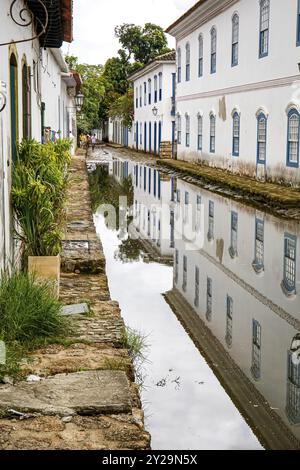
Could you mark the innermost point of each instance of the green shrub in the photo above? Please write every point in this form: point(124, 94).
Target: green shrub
point(38, 194)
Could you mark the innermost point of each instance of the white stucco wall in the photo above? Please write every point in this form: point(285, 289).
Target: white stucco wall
point(46, 86)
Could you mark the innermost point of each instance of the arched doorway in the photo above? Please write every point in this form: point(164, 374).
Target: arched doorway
point(13, 67)
point(26, 101)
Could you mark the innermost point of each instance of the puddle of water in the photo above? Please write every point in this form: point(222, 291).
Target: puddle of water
point(236, 270)
point(185, 405)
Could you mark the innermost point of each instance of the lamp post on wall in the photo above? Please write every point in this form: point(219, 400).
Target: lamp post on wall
point(154, 111)
point(79, 102)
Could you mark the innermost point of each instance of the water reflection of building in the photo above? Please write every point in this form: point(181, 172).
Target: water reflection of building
point(153, 212)
point(240, 274)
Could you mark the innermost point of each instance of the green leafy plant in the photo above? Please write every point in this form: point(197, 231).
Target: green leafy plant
point(38, 195)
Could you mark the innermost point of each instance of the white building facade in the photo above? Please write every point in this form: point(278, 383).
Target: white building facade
point(154, 105)
point(37, 92)
point(238, 103)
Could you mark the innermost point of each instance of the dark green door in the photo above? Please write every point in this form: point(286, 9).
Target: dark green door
point(14, 106)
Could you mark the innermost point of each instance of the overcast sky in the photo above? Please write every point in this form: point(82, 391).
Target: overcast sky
point(95, 20)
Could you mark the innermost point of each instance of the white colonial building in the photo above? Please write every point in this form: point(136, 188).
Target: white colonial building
point(238, 99)
point(154, 105)
point(36, 89)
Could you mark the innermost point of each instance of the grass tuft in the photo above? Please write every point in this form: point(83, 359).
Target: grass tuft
point(29, 317)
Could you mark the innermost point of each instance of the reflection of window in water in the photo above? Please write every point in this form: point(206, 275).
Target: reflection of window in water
point(154, 182)
point(149, 176)
point(293, 382)
point(229, 318)
point(154, 227)
point(145, 178)
point(233, 235)
point(196, 301)
point(258, 263)
point(186, 207)
point(256, 350)
point(172, 228)
point(176, 266)
point(159, 233)
point(184, 283)
point(209, 299)
point(149, 224)
point(289, 274)
point(211, 209)
point(198, 213)
point(177, 203)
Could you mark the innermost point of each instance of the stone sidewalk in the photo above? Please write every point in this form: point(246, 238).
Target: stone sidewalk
point(86, 398)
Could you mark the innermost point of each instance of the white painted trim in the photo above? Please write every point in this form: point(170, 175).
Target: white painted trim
point(262, 110)
point(292, 105)
point(206, 12)
point(278, 82)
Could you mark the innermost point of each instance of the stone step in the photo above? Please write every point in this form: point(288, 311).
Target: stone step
point(82, 256)
point(82, 393)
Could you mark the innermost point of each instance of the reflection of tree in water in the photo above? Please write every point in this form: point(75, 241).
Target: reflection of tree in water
point(105, 189)
point(129, 251)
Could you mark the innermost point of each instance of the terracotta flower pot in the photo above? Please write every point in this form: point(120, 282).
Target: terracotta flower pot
point(46, 268)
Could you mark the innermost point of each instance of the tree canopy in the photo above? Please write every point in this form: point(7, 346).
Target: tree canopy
point(106, 89)
point(142, 44)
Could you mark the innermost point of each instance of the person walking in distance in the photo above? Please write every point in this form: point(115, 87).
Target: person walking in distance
point(93, 142)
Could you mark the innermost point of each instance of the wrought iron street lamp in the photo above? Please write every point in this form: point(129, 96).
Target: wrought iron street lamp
point(79, 102)
point(154, 111)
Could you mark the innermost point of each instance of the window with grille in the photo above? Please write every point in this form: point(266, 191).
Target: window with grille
point(209, 299)
point(160, 85)
point(187, 62)
point(261, 139)
point(149, 91)
point(198, 213)
point(155, 89)
point(259, 245)
point(289, 278)
point(212, 146)
point(179, 65)
point(197, 286)
point(236, 135)
point(200, 132)
point(200, 58)
point(229, 321)
point(213, 54)
point(234, 235)
point(235, 41)
point(293, 138)
point(256, 350)
point(184, 282)
point(293, 389)
point(179, 129)
point(187, 130)
point(211, 210)
point(176, 266)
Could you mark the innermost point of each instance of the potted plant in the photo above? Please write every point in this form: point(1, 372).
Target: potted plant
point(38, 195)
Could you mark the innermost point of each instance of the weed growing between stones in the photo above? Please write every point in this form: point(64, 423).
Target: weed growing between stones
point(136, 344)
